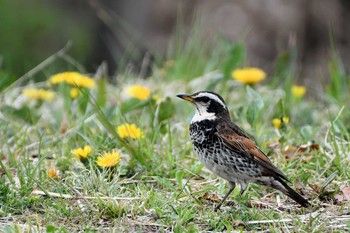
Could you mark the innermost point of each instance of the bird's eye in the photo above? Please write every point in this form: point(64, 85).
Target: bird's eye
point(203, 99)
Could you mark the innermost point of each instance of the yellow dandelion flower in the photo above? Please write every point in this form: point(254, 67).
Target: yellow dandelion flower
point(74, 92)
point(38, 94)
point(82, 153)
point(298, 91)
point(72, 78)
point(82, 81)
point(129, 130)
point(139, 92)
point(53, 173)
point(277, 122)
point(248, 75)
point(58, 78)
point(108, 159)
point(64, 77)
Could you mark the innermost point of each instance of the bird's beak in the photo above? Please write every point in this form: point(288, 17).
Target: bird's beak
point(186, 97)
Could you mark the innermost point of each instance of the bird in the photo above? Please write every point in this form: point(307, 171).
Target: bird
point(227, 150)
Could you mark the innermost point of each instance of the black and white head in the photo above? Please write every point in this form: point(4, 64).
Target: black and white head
point(209, 105)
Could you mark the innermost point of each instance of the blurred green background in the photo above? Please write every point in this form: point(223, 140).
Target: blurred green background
point(31, 31)
point(124, 33)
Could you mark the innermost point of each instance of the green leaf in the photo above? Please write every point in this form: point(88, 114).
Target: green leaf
point(251, 114)
point(328, 181)
point(101, 96)
point(235, 56)
point(337, 86)
point(307, 132)
point(133, 104)
point(83, 100)
point(7, 172)
point(23, 113)
point(255, 106)
point(64, 90)
point(164, 182)
point(50, 228)
point(281, 110)
point(255, 98)
point(159, 211)
point(165, 110)
point(283, 64)
point(179, 177)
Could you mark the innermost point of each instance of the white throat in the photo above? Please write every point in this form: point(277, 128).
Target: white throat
point(202, 114)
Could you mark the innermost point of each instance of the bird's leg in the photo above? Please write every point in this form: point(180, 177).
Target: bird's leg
point(243, 188)
point(231, 186)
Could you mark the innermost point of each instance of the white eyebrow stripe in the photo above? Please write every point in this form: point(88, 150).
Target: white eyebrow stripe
point(212, 96)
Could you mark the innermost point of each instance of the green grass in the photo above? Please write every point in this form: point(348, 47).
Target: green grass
point(159, 183)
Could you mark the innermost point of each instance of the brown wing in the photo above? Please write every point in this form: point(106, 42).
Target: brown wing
point(241, 143)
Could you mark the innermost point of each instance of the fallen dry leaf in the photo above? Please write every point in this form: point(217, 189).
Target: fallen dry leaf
point(289, 151)
point(299, 186)
point(239, 223)
point(315, 187)
point(302, 151)
point(309, 147)
point(64, 127)
point(306, 158)
point(230, 203)
point(209, 197)
point(346, 193)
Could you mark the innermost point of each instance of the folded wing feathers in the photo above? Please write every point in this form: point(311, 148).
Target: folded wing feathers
point(245, 146)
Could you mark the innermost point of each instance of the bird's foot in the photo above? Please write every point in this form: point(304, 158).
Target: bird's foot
point(217, 207)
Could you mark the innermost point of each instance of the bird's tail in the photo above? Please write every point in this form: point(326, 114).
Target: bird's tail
point(291, 193)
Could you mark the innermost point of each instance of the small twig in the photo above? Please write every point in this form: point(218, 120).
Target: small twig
point(183, 188)
point(131, 178)
point(67, 196)
point(143, 181)
point(73, 62)
point(303, 218)
point(208, 182)
point(77, 193)
point(149, 224)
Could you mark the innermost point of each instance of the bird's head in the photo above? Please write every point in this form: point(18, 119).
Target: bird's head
point(209, 105)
